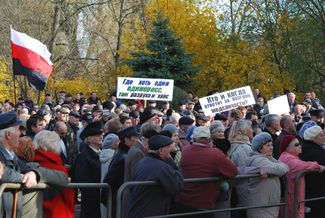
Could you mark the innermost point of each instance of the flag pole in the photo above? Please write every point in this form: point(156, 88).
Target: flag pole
point(14, 77)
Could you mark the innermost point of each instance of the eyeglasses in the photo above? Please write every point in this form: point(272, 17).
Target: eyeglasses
point(296, 144)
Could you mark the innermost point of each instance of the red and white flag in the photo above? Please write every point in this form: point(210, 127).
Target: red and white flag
point(30, 58)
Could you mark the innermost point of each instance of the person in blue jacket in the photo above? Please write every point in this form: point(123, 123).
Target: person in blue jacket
point(156, 166)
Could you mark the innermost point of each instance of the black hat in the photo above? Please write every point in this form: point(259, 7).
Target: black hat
point(222, 144)
point(185, 120)
point(88, 117)
point(159, 141)
point(148, 134)
point(146, 115)
point(134, 114)
point(9, 119)
point(75, 114)
point(91, 129)
point(182, 102)
point(317, 113)
point(220, 117)
point(96, 108)
point(127, 132)
point(43, 112)
point(108, 105)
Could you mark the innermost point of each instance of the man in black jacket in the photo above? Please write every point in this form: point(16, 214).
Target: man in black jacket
point(87, 169)
point(115, 173)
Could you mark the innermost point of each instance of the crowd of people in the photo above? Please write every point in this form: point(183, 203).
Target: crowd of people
point(86, 140)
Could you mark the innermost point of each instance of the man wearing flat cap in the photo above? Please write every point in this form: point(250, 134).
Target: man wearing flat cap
point(115, 173)
point(184, 124)
point(87, 169)
point(155, 200)
point(201, 160)
point(71, 136)
point(14, 170)
point(317, 115)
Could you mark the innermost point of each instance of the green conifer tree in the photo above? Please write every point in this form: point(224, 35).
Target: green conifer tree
point(166, 57)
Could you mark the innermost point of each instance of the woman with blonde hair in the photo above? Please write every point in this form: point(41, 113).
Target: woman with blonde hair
point(240, 135)
point(56, 203)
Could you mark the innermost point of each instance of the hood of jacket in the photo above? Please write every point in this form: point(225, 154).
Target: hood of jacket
point(106, 155)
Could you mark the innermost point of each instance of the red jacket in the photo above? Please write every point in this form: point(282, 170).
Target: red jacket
point(198, 161)
point(62, 203)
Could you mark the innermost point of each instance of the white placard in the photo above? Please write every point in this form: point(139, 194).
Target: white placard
point(145, 89)
point(228, 100)
point(279, 105)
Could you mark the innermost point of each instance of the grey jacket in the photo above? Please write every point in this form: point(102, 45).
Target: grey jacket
point(135, 154)
point(239, 153)
point(265, 191)
point(33, 200)
point(13, 168)
point(105, 158)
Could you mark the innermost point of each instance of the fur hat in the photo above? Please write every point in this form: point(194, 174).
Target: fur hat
point(311, 133)
point(91, 129)
point(260, 140)
point(216, 125)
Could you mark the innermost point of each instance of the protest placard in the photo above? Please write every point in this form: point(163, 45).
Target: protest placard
point(145, 89)
point(279, 105)
point(228, 100)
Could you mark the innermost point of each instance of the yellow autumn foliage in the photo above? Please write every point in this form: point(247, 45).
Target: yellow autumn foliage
point(224, 64)
point(6, 82)
point(75, 86)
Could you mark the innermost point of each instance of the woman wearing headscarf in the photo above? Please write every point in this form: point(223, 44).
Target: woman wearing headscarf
point(265, 191)
point(314, 139)
point(290, 148)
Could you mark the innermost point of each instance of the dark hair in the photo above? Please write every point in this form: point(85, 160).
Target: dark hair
point(250, 114)
point(235, 114)
point(33, 120)
point(124, 118)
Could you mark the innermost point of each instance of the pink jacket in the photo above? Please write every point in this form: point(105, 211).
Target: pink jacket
point(296, 165)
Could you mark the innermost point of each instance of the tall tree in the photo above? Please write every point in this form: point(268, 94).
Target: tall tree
point(165, 56)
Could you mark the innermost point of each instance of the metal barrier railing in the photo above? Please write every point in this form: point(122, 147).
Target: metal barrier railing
point(41, 186)
point(195, 180)
point(296, 201)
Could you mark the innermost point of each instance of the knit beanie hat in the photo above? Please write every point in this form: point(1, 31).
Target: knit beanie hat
point(311, 133)
point(216, 125)
point(305, 126)
point(110, 139)
point(260, 140)
point(285, 141)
